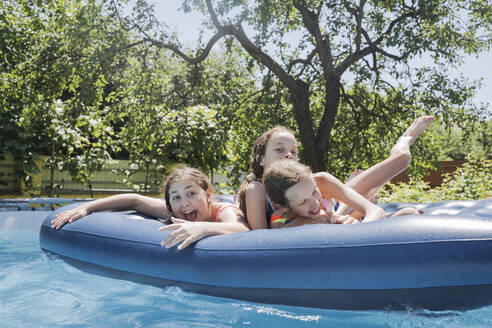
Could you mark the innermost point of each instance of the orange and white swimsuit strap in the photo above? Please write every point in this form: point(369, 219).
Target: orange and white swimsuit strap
point(222, 207)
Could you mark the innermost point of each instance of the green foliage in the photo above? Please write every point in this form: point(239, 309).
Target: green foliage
point(468, 182)
point(81, 81)
point(57, 55)
point(77, 86)
point(256, 113)
point(368, 126)
point(472, 142)
point(361, 64)
point(180, 113)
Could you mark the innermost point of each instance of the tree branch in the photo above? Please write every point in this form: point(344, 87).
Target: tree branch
point(358, 15)
point(332, 80)
point(237, 31)
point(131, 45)
point(393, 24)
point(116, 10)
point(323, 46)
point(373, 45)
point(395, 57)
point(306, 61)
point(374, 60)
point(299, 90)
point(192, 60)
point(213, 15)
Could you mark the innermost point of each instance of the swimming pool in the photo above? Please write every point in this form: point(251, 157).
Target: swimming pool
point(38, 289)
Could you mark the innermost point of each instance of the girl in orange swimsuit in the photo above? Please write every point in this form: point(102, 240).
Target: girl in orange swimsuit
point(188, 204)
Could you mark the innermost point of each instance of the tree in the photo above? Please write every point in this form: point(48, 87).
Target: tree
point(459, 144)
point(377, 42)
point(52, 90)
point(80, 81)
point(180, 114)
point(78, 85)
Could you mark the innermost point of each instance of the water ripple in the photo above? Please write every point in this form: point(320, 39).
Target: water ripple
point(39, 289)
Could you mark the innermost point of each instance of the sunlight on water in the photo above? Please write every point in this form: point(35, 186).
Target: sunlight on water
point(38, 289)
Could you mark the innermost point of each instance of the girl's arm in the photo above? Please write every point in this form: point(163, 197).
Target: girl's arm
point(186, 232)
point(256, 206)
point(331, 187)
point(288, 219)
point(146, 205)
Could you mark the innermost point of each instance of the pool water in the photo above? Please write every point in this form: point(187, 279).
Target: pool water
point(39, 289)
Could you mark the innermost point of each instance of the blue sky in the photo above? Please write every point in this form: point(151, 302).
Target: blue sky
point(187, 26)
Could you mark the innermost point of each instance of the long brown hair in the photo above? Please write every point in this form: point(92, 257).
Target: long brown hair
point(180, 173)
point(257, 153)
point(281, 176)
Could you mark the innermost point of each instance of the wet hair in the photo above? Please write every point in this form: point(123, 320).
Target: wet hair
point(257, 153)
point(281, 176)
point(180, 173)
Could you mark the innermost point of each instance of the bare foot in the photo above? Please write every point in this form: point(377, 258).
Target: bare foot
point(411, 134)
point(418, 126)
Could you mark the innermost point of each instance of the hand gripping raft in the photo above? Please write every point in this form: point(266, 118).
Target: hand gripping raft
point(439, 260)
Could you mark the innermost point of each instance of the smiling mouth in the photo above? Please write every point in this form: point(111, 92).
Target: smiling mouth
point(315, 213)
point(190, 215)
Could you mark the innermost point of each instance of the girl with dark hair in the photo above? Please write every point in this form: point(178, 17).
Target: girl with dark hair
point(279, 143)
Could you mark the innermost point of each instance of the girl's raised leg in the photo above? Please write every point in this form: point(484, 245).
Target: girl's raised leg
point(371, 180)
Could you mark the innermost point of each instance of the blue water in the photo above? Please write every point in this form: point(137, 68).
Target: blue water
point(41, 290)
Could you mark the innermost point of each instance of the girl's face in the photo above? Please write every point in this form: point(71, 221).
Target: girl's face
point(189, 201)
point(304, 198)
point(281, 145)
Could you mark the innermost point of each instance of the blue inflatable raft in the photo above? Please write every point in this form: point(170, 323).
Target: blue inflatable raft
point(439, 260)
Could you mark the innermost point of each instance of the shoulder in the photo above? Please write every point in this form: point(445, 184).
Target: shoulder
point(227, 211)
point(255, 191)
point(255, 194)
point(255, 186)
point(324, 177)
point(224, 205)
